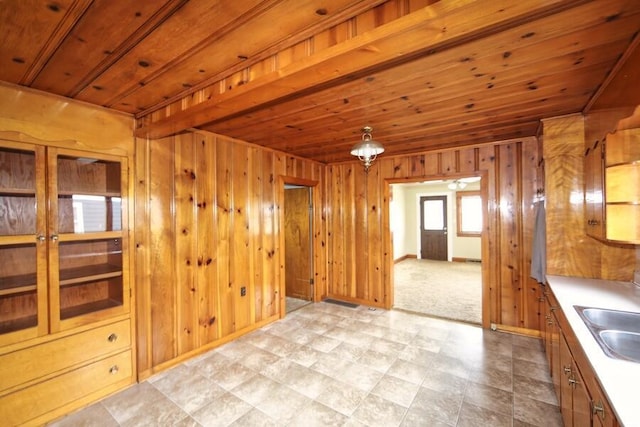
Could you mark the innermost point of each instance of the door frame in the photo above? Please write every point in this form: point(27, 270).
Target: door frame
point(315, 197)
point(388, 238)
point(450, 219)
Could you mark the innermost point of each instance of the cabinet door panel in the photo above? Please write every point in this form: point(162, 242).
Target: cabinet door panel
point(88, 242)
point(23, 304)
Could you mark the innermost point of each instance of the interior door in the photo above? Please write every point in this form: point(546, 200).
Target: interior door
point(433, 227)
point(298, 270)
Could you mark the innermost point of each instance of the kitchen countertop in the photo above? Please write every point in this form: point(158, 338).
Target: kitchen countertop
point(620, 379)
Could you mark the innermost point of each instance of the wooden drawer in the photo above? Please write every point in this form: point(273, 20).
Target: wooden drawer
point(26, 404)
point(43, 360)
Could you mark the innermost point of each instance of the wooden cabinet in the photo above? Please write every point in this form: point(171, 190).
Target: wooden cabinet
point(622, 190)
point(594, 190)
point(612, 187)
point(62, 239)
point(65, 331)
point(582, 401)
point(575, 401)
point(551, 339)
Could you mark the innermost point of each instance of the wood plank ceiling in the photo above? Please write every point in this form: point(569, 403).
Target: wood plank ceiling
point(304, 76)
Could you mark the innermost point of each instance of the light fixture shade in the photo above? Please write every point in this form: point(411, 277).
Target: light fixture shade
point(367, 150)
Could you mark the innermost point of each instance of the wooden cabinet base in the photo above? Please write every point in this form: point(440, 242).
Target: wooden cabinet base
point(50, 399)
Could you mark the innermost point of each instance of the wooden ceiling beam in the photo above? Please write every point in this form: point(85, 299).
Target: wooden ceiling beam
point(400, 41)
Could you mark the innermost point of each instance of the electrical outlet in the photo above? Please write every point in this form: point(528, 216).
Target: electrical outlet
point(243, 291)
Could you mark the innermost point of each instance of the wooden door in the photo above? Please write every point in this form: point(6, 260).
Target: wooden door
point(297, 206)
point(433, 227)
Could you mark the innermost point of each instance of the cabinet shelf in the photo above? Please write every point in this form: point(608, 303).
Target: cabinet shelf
point(71, 193)
point(17, 284)
point(79, 310)
point(18, 324)
point(22, 192)
point(72, 276)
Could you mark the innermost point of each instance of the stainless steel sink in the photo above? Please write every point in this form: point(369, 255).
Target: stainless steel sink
point(612, 319)
point(617, 332)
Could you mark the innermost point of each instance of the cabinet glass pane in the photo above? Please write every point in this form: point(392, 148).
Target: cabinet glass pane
point(89, 198)
point(17, 192)
point(18, 296)
point(90, 276)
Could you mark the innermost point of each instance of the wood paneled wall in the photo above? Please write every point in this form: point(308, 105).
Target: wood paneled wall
point(360, 249)
point(208, 224)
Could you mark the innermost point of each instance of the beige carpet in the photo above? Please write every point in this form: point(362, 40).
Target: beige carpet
point(451, 290)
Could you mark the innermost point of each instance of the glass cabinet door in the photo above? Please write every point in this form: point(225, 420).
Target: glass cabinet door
point(23, 291)
point(87, 242)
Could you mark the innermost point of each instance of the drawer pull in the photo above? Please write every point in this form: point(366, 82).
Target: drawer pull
point(113, 337)
point(114, 369)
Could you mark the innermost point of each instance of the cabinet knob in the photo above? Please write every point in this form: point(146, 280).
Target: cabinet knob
point(113, 337)
point(567, 370)
point(114, 369)
point(40, 238)
point(598, 408)
point(572, 382)
point(54, 237)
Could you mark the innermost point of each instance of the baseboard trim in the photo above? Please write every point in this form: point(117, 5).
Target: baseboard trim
point(402, 258)
point(457, 259)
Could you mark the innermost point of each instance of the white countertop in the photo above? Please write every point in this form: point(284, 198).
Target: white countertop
point(620, 379)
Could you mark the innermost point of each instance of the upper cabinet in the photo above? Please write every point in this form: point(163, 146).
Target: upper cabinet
point(612, 184)
point(622, 186)
point(63, 240)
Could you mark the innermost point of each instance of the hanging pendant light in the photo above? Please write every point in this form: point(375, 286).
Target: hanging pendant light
point(367, 150)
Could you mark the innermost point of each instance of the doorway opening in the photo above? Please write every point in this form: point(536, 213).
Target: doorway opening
point(436, 229)
point(298, 247)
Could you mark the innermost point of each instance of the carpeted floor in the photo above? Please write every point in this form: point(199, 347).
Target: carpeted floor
point(451, 290)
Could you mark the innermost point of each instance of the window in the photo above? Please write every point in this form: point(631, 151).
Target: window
point(469, 213)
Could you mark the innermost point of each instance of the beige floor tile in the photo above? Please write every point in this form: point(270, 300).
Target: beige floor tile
point(375, 411)
point(326, 365)
point(222, 411)
point(396, 390)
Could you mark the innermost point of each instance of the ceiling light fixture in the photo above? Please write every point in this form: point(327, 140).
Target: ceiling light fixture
point(457, 185)
point(367, 150)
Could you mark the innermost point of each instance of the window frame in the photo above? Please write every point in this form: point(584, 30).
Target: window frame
point(459, 196)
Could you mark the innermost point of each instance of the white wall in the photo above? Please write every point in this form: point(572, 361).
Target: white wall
point(397, 222)
point(459, 247)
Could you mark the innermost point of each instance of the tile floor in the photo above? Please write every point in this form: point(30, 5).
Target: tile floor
point(325, 364)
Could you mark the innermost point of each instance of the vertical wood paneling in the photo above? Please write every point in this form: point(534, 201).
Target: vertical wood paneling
point(490, 245)
point(239, 255)
point(509, 217)
point(207, 238)
point(162, 252)
point(467, 160)
point(362, 234)
point(224, 209)
point(432, 164)
point(254, 228)
point(369, 247)
point(269, 286)
point(208, 221)
point(186, 227)
point(375, 288)
point(532, 307)
point(448, 163)
point(143, 256)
